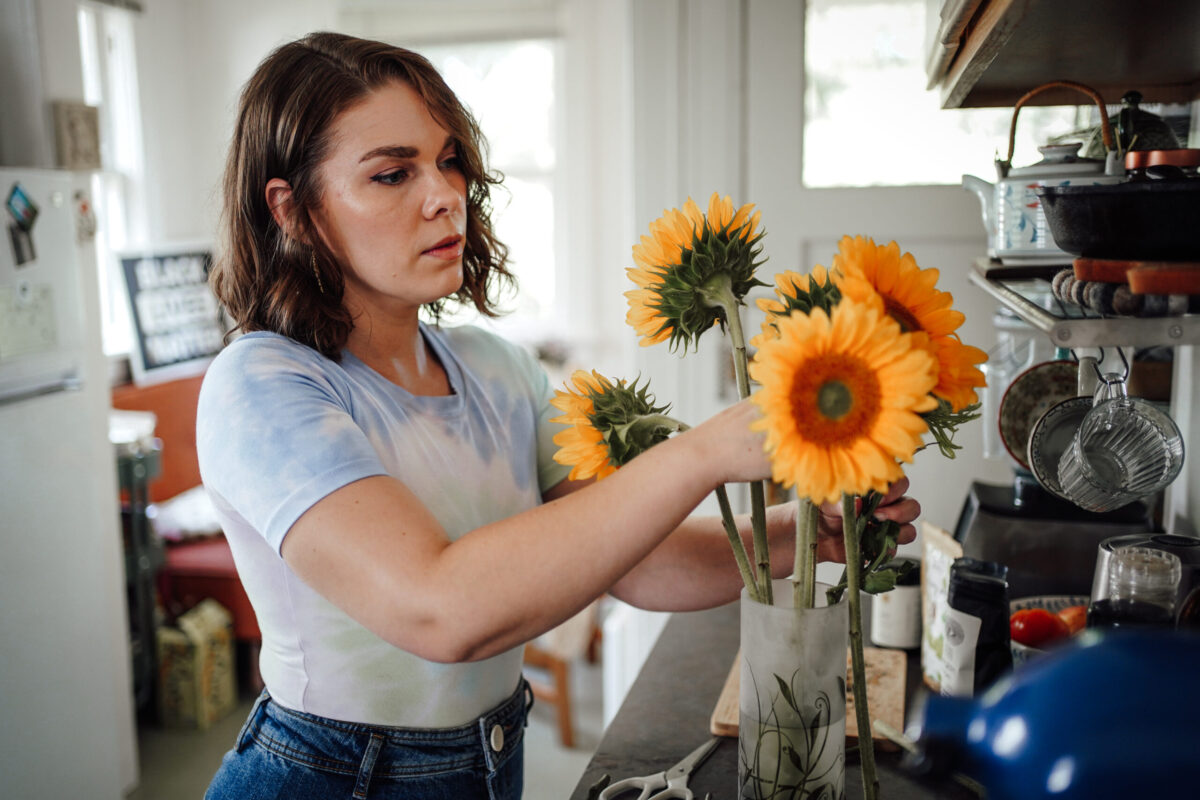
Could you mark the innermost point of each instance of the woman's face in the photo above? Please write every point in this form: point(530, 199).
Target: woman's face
point(393, 205)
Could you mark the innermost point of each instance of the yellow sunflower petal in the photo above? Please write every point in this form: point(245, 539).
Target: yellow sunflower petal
point(720, 211)
point(958, 376)
point(652, 326)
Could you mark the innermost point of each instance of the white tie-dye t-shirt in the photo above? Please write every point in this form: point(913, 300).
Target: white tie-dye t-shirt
point(280, 426)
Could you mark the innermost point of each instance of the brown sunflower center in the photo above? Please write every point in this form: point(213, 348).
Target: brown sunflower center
point(835, 399)
point(897, 311)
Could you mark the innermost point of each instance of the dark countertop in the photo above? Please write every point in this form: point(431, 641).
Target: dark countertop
point(666, 715)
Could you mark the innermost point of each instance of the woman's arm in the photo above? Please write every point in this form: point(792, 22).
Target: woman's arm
point(694, 567)
point(375, 551)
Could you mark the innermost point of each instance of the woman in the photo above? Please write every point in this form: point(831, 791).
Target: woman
point(387, 486)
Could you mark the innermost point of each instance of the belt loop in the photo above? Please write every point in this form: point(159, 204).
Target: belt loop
point(251, 724)
point(528, 699)
point(367, 766)
point(489, 756)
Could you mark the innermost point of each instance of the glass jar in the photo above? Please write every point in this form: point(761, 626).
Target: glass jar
point(1143, 583)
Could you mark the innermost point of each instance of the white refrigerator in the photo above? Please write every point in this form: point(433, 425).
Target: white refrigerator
point(65, 686)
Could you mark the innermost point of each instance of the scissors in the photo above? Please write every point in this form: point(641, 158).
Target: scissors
point(673, 781)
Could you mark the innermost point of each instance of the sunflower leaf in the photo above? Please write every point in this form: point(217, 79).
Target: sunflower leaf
point(878, 539)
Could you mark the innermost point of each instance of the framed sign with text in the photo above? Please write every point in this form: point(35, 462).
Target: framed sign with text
point(177, 322)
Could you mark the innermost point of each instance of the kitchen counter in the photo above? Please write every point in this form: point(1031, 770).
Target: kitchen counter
point(666, 715)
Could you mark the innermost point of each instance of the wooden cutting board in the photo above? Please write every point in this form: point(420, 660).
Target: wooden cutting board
point(887, 674)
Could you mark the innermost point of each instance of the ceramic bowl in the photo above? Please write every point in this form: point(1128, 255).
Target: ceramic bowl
point(1028, 398)
point(1052, 603)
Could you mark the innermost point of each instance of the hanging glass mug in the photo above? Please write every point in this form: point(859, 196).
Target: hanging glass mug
point(1126, 448)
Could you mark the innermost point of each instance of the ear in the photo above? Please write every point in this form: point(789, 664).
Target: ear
point(279, 201)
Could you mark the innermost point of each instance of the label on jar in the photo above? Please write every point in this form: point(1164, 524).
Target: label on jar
point(958, 653)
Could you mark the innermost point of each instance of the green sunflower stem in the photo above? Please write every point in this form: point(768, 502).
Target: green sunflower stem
point(721, 293)
point(858, 667)
point(739, 548)
point(804, 567)
point(814, 516)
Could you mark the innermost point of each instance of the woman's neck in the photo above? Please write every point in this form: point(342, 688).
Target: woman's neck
point(397, 350)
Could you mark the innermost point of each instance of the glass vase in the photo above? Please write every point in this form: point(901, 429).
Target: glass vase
point(792, 699)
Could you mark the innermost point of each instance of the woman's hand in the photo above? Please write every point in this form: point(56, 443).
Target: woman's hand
point(726, 443)
point(894, 506)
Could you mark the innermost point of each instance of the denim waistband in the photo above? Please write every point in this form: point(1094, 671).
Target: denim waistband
point(374, 751)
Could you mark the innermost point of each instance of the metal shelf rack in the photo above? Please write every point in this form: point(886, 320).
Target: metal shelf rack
point(1072, 326)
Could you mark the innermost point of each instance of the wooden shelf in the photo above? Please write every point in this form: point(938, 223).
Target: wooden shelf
point(991, 52)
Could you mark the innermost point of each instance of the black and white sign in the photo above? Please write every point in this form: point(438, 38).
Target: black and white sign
point(177, 323)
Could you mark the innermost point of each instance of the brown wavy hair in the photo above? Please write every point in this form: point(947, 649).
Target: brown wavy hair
point(263, 277)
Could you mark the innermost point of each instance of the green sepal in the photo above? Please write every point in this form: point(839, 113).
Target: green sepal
point(686, 308)
point(818, 295)
point(630, 422)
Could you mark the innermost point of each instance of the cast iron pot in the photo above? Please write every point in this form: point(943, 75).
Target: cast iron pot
point(1154, 220)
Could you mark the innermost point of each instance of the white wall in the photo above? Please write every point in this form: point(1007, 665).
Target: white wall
point(193, 59)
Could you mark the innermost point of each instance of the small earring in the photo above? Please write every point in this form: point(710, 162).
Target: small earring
point(316, 272)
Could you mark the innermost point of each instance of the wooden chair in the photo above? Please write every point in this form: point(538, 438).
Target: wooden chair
point(552, 655)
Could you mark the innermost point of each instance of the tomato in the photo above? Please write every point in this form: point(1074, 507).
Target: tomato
point(1075, 617)
point(1036, 627)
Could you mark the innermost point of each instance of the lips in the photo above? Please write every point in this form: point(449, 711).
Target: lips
point(450, 247)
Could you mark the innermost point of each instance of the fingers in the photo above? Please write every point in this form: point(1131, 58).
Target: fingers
point(831, 548)
point(902, 511)
point(895, 491)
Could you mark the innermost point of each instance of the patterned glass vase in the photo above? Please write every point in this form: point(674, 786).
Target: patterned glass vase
point(792, 698)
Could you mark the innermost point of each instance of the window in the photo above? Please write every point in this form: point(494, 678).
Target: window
point(869, 119)
point(106, 46)
point(510, 88)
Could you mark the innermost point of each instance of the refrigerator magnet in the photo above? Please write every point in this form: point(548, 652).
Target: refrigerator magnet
point(21, 207)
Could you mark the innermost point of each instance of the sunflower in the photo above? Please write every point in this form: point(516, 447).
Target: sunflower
point(608, 424)
point(879, 274)
point(691, 268)
point(797, 292)
point(841, 398)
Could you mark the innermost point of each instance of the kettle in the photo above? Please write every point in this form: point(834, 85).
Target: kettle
point(1012, 212)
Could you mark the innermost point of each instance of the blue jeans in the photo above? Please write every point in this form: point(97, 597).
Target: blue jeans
point(282, 753)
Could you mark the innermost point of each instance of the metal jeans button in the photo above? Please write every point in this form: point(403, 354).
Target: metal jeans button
point(497, 738)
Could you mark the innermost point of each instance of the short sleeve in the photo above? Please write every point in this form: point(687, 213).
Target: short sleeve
point(274, 434)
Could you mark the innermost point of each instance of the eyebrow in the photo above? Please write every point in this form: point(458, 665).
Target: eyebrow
point(398, 151)
point(391, 151)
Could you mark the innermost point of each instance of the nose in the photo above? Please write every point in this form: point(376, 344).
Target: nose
point(444, 195)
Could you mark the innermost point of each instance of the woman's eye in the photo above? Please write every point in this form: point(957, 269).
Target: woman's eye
point(451, 162)
point(391, 178)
